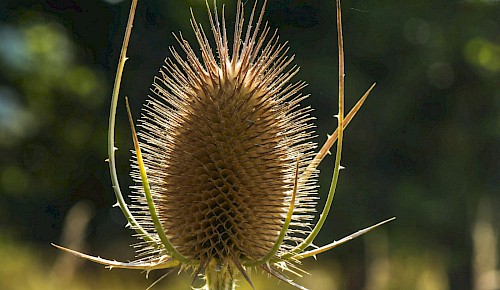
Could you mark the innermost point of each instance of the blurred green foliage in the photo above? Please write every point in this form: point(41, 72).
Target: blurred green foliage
point(424, 148)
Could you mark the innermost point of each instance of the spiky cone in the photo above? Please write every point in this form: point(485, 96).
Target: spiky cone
point(224, 158)
point(220, 139)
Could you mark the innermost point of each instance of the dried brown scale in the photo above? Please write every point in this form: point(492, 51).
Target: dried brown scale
point(220, 142)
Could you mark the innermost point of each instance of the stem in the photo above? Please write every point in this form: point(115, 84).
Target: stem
point(219, 278)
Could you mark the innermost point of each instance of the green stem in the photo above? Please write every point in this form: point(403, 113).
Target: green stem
point(219, 278)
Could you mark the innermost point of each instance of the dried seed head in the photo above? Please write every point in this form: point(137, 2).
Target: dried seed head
point(220, 139)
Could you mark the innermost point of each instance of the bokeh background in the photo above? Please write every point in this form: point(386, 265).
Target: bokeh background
point(424, 148)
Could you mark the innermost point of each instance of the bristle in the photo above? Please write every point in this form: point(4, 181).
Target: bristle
point(220, 138)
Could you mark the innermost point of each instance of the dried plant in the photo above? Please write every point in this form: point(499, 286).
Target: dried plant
point(225, 158)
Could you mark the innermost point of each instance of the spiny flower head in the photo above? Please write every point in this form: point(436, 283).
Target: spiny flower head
point(221, 141)
point(224, 157)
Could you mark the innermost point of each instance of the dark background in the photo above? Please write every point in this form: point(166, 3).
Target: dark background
point(424, 148)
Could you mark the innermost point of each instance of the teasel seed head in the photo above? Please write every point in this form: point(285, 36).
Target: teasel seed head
point(221, 135)
point(225, 161)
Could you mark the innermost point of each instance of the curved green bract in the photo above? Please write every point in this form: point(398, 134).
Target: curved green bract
point(149, 198)
point(111, 135)
point(317, 228)
point(312, 235)
point(284, 229)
